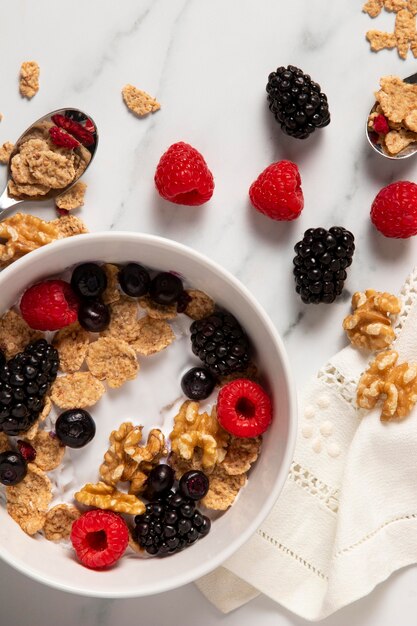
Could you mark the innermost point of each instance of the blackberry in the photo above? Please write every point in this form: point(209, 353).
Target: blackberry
point(170, 524)
point(298, 103)
point(24, 383)
point(221, 343)
point(320, 263)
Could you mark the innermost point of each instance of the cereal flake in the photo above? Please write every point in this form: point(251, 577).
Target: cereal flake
point(72, 345)
point(200, 305)
point(158, 311)
point(373, 7)
point(4, 442)
point(152, 336)
point(73, 198)
point(123, 319)
point(69, 225)
point(223, 489)
point(397, 140)
point(29, 79)
point(33, 430)
point(59, 521)
point(27, 502)
point(5, 151)
point(111, 293)
point(49, 450)
point(139, 102)
point(112, 360)
point(15, 334)
point(51, 168)
point(79, 390)
point(241, 454)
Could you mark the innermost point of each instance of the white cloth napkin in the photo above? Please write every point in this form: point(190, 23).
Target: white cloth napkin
point(347, 516)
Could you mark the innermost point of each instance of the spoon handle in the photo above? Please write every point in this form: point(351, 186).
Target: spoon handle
point(6, 202)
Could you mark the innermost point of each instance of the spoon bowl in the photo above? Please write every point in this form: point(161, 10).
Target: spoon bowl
point(85, 152)
point(407, 152)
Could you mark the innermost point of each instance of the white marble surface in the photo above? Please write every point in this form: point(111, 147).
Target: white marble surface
point(207, 62)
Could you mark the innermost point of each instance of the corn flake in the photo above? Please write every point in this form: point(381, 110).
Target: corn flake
point(123, 320)
point(79, 390)
point(112, 360)
point(73, 198)
point(152, 336)
point(15, 334)
point(49, 450)
point(72, 345)
point(5, 151)
point(158, 311)
point(200, 305)
point(27, 502)
point(59, 521)
point(139, 102)
point(223, 489)
point(111, 293)
point(241, 454)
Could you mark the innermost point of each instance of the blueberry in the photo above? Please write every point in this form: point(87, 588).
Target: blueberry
point(134, 280)
point(89, 280)
point(160, 480)
point(75, 428)
point(194, 485)
point(13, 468)
point(165, 288)
point(198, 383)
point(94, 316)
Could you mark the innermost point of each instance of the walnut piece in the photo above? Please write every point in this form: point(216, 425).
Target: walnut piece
point(107, 497)
point(23, 233)
point(397, 383)
point(118, 465)
point(198, 430)
point(370, 325)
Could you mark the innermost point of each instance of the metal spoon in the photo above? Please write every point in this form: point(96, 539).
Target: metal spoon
point(39, 128)
point(410, 150)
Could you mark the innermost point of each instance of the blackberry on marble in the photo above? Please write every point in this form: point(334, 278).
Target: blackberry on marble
point(320, 264)
point(297, 102)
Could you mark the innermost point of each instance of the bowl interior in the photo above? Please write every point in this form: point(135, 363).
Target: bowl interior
point(48, 562)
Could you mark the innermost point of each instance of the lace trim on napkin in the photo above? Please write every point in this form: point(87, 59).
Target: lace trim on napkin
point(329, 496)
point(408, 295)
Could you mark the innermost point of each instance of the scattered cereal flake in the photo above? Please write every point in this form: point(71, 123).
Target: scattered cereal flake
point(49, 450)
point(29, 79)
point(15, 334)
point(112, 360)
point(17, 191)
point(139, 102)
point(200, 305)
point(223, 489)
point(396, 140)
point(72, 345)
point(51, 169)
point(380, 40)
point(4, 442)
point(158, 311)
point(123, 319)
point(5, 151)
point(73, 198)
point(109, 498)
point(394, 5)
point(59, 521)
point(405, 31)
point(27, 502)
point(373, 7)
point(152, 336)
point(79, 390)
point(241, 454)
point(111, 293)
point(412, 6)
point(69, 225)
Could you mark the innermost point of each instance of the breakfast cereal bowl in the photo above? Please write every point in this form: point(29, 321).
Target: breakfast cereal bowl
point(141, 401)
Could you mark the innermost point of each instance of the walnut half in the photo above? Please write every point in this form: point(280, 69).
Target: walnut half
point(396, 383)
point(370, 325)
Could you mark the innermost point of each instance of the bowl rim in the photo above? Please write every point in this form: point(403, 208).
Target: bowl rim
point(207, 567)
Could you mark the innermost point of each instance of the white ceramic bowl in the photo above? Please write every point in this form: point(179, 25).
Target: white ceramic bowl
point(49, 563)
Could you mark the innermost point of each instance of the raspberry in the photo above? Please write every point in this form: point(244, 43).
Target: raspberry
point(89, 125)
point(50, 305)
point(244, 408)
point(74, 128)
point(277, 191)
point(99, 538)
point(182, 176)
point(62, 139)
point(27, 451)
point(381, 125)
point(394, 210)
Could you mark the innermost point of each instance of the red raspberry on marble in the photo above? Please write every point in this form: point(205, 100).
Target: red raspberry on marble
point(394, 210)
point(99, 538)
point(183, 177)
point(50, 305)
point(244, 408)
point(277, 191)
point(381, 125)
point(62, 139)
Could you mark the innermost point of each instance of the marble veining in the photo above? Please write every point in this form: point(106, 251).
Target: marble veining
point(207, 63)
